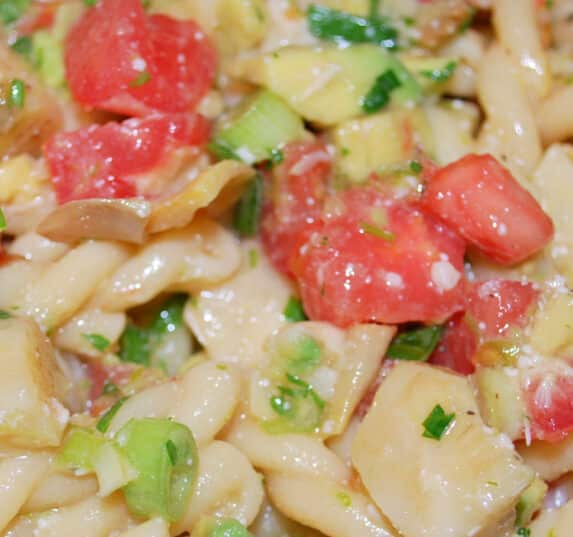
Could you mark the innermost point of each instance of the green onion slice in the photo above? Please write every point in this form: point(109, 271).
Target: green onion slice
point(248, 210)
point(416, 344)
point(165, 457)
point(79, 450)
point(16, 93)
point(105, 421)
point(294, 311)
point(379, 95)
point(437, 422)
point(3, 223)
point(97, 341)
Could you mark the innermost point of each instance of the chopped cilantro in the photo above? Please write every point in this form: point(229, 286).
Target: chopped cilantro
point(109, 388)
point(416, 344)
point(3, 223)
point(23, 45)
point(105, 421)
point(171, 449)
point(277, 157)
point(379, 95)
point(141, 79)
point(437, 422)
point(377, 232)
point(442, 74)
point(5, 315)
point(134, 345)
point(12, 10)
point(465, 25)
point(97, 341)
point(248, 210)
point(523, 532)
point(294, 311)
point(16, 93)
point(333, 25)
point(344, 498)
point(415, 167)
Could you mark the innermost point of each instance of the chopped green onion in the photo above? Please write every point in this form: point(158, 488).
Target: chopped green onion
point(170, 315)
point(253, 257)
point(344, 498)
point(16, 94)
point(134, 345)
point(415, 167)
point(164, 454)
point(549, 4)
point(90, 3)
point(294, 311)
point(141, 79)
point(12, 10)
point(465, 25)
point(262, 125)
point(437, 422)
point(109, 388)
point(97, 341)
point(524, 532)
point(3, 224)
point(48, 58)
point(248, 210)
point(377, 232)
point(105, 421)
point(374, 8)
point(416, 344)
point(277, 157)
point(379, 95)
point(229, 527)
point(333, 25)
point(5, 315)
point(441, 75)
point(304, 356)
point(79, 450)
point(23, 45)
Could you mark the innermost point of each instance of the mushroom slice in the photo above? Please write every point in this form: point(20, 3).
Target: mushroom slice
point(104, 219)
point(221, 183)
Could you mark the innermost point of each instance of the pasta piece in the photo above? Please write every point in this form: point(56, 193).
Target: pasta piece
point(511, 129)
point(233, 320)
point(341, 445)
point(333, 509)
point(554, 117)
point(518, 33)
point(202, 254)
point(552, 327)
point(441, 477)
point(549, 460)
point(78, 273)
point(286, 453)
point(242, 23)
point(15, 278)
point(30, 413)
point(58, 489)
point(94, 517)
point(156, 527)
point(225, 179)
point(18, 477)
point(38, 249)
point(24, 216)
point(227, 486)
point(74, 336)
point(21, 179)
point(557, 523)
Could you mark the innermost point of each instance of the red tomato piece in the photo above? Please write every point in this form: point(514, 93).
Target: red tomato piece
point(457, 347)
point(102, 161)
point(549, 403)
point(480, 198)
point(295, 202)
point(497, 305)
point(120, 59)
point(376, 258)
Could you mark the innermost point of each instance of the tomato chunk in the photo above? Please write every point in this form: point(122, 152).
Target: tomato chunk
point(376, 258)
point(295, 199)
point(480, 198)
point(457, 347)
point(120, 59)
point(497, 305)
point(102, 161)
point(549, 403)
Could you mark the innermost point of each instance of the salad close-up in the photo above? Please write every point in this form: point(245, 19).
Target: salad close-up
point(286, 268)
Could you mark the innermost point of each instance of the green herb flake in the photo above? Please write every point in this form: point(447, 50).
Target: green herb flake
point(549, 4)
point(277, 157)
point(333, 25)
point(344, 498)
point(109, 388)
point(134, 345)
point(370, 229)
point(171, 449)
point(23, 45)
point(416, 344)
point(466, 24)
point(415, 167)
point(253, 258)
point(344, 151)
point(441, 74)
point(90, 3)
point(294, 311)
point(141, 79)
point(3, 224)
point(97, 341)
point(16, 94)
point(492, 483)
point(12, 10)
point(222, 367)
point(4, 315)
point(437, 422)
point(304, 356)
point(523, 532)
point(248, 209)
point(105, 421)
point(379, 95)
point(170, 315)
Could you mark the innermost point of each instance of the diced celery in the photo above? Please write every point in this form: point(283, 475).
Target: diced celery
point(80, 450)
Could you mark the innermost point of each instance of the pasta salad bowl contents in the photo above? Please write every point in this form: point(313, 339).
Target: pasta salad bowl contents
point(286, 268)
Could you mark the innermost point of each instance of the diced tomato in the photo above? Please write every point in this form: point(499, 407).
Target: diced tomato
point(120, 59)
point(480, 198)
point(376, 258)
point(295, 199)
point(99, 374)
point(102, 161)
point(497, 305)
point(39, 16)
point(549, 403)
point(457, 346)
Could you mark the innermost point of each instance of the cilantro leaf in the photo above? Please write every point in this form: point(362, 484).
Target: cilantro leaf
point(437, 422)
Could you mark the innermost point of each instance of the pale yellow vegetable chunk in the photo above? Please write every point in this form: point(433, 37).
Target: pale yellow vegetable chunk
point(462, 484)
point(556, 523)
point(553, 326)
point(30, 413)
